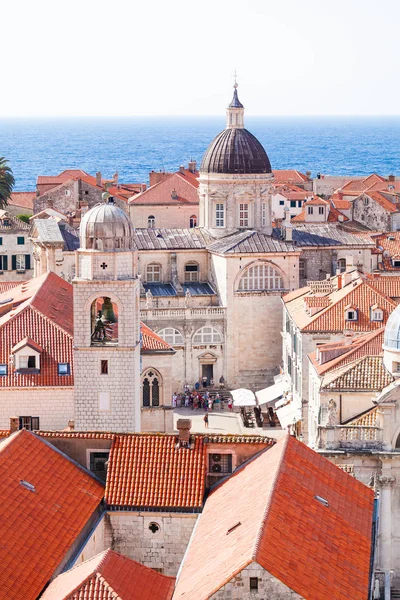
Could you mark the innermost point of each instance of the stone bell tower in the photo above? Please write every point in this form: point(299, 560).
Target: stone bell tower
point(106, 323)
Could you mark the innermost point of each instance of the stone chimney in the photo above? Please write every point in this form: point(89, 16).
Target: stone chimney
point(116, 179)
point(98, 178)
point(184, 426)
point(182, 169)
point(391, 178)
point(308, 174)
point(14, 424)
point(193, 166)
point(157, 176)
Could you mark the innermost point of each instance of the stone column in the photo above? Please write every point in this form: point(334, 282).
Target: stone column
point(386, 481)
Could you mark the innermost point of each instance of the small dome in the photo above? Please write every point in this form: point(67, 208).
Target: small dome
point(105, 227)
point(235, 151)
point(391, 338)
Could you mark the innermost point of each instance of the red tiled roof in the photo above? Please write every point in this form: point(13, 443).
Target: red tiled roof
point(355, 187)
point(62, 177)
point(292, 192)
point(153, 342)
point(22, 199)
point(38, 528)
point(289, 176)
point(339, 203)
point(389, 245)
point(109, 576)
point(267, 512)
point(149, 470)
point(8, 285)
point(367, 373)
point(384, 202)
point(161, 192)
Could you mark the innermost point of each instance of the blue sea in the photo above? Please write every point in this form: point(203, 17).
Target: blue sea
point(134, 146)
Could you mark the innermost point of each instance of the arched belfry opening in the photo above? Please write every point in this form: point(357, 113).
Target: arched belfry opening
point(104, 322)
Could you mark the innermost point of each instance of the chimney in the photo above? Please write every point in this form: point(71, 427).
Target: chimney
point(308, 174)
point(182, 169)
point(339, 282)
point(391, 178)
point(71, 425)
point(14, 424)
point(98, 178)
point(183, 426)
point(116, 179)
point(142, 187)
point(340, 195)
point(193, 166)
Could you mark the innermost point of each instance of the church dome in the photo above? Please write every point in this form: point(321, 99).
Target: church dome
point(105, 227)
point(235, 150)
point(391, 338)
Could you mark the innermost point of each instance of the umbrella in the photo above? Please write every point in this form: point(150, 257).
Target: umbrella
point(243, 397)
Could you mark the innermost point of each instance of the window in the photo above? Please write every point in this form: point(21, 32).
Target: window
point(289, 365)
point(261, 277)
point(67, 192)
point(243, 215)
point(302, 268)
point(6, 223)
point(104, 367)
point(172, 336)
point(263, 214)
point(1, 241)
point(396, 263)
point(64, 369)
point(3, 370)
point(20, 262)
point(321, 210)
point(29, 423)
point(293, 204)
point(98, 463)
point(351, 315)
point(342, 265)
point(3, 263)
point(191, 272)
point(299, 203)
point(27, 362)
point(396, 369)
point(219, 463)
point(281, 203)
point(151, 389)
point(220, 215)
point(20, 241)
point(366, 201)
point(193, 221)
point(151, 222)
point(254, 584)
point(104, 401)
point(376, 314)
point(207, 335)
point(310, 210)
point(153, 273)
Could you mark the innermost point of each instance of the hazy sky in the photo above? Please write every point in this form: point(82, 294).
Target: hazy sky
point(177, 57)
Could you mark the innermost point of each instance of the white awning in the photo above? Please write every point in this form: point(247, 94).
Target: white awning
point(271, 393)
point(288, 414)
point(243, 397)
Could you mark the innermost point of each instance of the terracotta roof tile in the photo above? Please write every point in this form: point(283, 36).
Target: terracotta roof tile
point(267, 512)
point(152, 342)
point(22, 199)
point(368, 418)
point(161, 192)
point(8, 285)
point(149, 470)
point(289, 176)
point(38, 527)
point(383, 201)
point(366, 373)
point(109, 576)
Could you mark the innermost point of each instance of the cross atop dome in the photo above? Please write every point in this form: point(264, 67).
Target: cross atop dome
point(235, 100)
point(235, 111)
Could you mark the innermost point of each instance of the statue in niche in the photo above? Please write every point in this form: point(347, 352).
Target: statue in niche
point(332, 413)
point(188, 298)
point(149, 299)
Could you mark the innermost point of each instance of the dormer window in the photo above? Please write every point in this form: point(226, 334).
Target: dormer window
point(351, 313)
point(27, 356)
point(310, 210)
point(376, 313)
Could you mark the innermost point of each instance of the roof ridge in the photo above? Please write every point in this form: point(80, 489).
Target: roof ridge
point(369, 283)
point(369, 336)
point(285, 442)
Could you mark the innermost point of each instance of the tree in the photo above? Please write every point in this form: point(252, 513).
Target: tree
point(7, 182)
point(24, 218)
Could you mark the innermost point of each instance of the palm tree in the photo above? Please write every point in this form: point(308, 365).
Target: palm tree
point(7, 182)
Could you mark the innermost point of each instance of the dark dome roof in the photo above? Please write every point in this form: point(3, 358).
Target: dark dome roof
point(235, 151)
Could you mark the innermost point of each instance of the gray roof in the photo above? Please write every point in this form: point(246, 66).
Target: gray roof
point(48, 230)
point(244, 242)
point(325, 235)
point(171, 239)
point(160, 289)
point(70, 236)
point(198, 289)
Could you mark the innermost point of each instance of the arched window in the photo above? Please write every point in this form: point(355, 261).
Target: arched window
point(191, 272)
point(104, 322)
point(151, 222)
point(193, 221)
point(153, 273)
point(342, 265)
point(151, 384)
point(261, 276)
point(171, 336)
point(207, 335)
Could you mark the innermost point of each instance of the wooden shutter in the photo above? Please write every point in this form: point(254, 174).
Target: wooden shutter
point(14, 262)
point(27, 261)
point(5, 263)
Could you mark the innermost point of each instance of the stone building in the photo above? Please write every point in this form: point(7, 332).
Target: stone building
point(378, 210)
point(15, 248)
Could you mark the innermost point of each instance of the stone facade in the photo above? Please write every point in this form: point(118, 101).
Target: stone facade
point(165, 216)
point(162, 549)
point(54, 406)
point(15, 249)
point(269, 587)
point(374, 216)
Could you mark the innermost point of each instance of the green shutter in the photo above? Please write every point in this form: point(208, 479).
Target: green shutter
point(27, 261)
point(14, 262)
point(5, 263)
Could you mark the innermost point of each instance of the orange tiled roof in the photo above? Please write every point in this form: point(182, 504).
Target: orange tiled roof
point(384, 202)
point(22, 199)
point(38, 528)
point(152, 342)
point(161, 192)
point(267, 512)
point(149, 470)
point(289, 176)
point(368, 418)
point(292, 192)
point(110, 576)
point(366, 373)
point(340, 203)
point(389, 286)
point(389, 245)
point(355, 187)
point(8, 285)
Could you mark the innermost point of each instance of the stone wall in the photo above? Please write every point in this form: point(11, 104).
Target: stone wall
point(163, 550)
point(166, 216)
point(54, 406)
point(269, 587)
point(372, 215)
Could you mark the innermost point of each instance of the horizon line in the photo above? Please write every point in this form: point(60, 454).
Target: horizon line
point(205, 116)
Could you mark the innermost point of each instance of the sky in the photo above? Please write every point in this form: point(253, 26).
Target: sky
point(159, 57)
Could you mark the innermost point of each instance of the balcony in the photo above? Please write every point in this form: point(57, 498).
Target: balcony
point(351, 437)
point(162, 314)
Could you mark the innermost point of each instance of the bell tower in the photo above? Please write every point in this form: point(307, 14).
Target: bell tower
point(106, 323)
